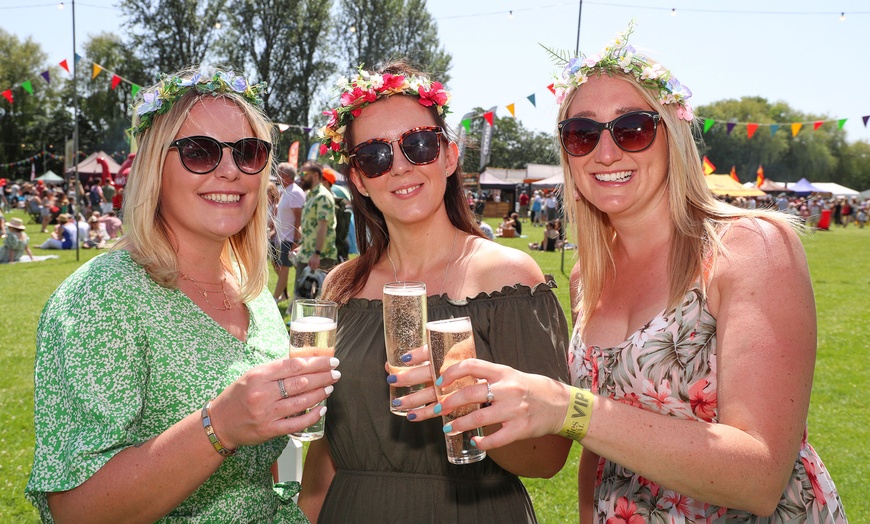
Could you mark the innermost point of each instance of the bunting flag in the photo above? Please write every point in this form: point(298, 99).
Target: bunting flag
point(817, 124)
point(750, 130)
point(27, 86)
point(115, 81)
point(466, 122)
point(796, 128)
point(840, 123)
point(552, 88)
point(729, 127)
point(708, 123)
point(135, 89)
point(865, 118)
point(488, 116)
point(46, 76)
point(531, 98)
point(97, 69)
point(708, 166)
point(64, 65)
point(734, 174)
point(773, 129)
point(8, 95)
point(283, 127)
point(759, 176)
point(510, 107)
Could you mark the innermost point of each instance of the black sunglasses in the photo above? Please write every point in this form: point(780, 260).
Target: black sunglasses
point(420, 145)
point(632, 132)
point(202, 154)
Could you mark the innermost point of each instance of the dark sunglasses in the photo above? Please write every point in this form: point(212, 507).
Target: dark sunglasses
point(202, 154)
point(632, 132)
point(420, 145)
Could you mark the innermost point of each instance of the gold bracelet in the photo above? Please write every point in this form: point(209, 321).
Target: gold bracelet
point(215, 441)
point(578, 415)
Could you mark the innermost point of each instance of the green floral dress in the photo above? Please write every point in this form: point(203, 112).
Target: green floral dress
point(119, 360)
point(669, 366)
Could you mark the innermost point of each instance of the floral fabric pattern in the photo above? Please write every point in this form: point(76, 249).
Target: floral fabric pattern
point(134, 359)
point(668, 366)
point(319, 205)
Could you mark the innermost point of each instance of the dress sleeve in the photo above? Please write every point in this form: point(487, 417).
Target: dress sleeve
point(527, 330)
point(90, 376)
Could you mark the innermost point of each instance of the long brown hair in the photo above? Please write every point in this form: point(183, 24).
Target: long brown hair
point(372, 235)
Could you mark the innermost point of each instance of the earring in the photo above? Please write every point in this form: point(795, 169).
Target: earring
point(364, 194)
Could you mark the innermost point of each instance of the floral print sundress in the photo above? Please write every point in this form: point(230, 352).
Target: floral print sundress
point(668, 366)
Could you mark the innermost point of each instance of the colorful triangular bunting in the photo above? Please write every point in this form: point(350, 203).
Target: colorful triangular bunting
point(817, 124)
point(773, 129)
point(531, 98)
point(46, 76)
point(751, 129)
point(510, 107)
point(115, 81)
point(729, 127)
point(64, 65)
point(8, 95)
point(488, 116)
point(796, 128)
point(27, 86)
point(97, 69)
point(708, 123)
point(552, 88)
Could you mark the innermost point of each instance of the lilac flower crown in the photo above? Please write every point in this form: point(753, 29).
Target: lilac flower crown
point(619, 56)
point(365, 88)
point(158, 100)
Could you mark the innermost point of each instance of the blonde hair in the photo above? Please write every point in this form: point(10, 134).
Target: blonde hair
point(696, 216)
point(148, 237)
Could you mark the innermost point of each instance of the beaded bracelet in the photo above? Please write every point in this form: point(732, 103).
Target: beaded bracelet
point(578, 415)
point(206, 425)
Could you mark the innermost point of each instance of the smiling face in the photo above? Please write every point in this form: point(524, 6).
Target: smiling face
point(407, 192)
point(615, 181)
point(218, 204)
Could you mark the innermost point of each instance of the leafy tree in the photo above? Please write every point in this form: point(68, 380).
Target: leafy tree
point(513, 146)
point(171, 34)
point(282, 42)
point(371, 32)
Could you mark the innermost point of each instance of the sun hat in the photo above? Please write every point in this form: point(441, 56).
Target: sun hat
point(16, 223)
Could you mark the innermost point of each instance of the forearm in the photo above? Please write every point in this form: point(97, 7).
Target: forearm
point(540, 457)
point(143, 483)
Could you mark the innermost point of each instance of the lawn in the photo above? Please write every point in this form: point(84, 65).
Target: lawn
point(840, 266)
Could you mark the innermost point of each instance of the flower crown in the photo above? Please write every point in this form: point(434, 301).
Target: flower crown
point(619, 56)
point(366, 88)
point(158, 100)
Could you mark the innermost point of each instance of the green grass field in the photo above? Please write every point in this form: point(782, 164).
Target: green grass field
point(840, 265)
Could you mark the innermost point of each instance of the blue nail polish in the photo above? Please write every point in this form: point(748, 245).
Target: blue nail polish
point(406, 357)
point(412, 416)
point(438, 408)
point(396, 402)
point(473, 443)
point(439, 381)
point(448, 428)
point(392, 379)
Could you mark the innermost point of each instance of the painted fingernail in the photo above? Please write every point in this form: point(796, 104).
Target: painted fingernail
point(396, 402)
point(329, 390)
point(448, 428)
point(473, 443)
point(336, 374)
point(406, 357)
point(334, 362)
point(323, 411)
point(412, 416)
point(391, 379)
point(438, 408)
point(439, 381)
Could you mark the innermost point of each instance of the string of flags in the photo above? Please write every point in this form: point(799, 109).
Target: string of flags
point(708, 123)
point(32, 158)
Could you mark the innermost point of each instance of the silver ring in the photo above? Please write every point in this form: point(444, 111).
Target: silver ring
point(489, 396)
point(281, 387)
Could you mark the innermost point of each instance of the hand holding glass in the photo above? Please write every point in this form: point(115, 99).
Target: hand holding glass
point(404, 330)
point(451, 341)
point(312, 334)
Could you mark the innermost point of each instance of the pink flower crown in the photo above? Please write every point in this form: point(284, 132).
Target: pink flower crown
point(366, 88)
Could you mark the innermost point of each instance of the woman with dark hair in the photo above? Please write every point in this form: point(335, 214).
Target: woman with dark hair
point(413, 224)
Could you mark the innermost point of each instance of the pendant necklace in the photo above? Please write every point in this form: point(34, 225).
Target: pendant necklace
point(446, 269)
point(226, 306)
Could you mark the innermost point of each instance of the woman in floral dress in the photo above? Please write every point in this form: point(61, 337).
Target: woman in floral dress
point(695, 337)
point(171, 402)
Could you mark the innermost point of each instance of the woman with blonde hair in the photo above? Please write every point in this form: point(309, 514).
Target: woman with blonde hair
point(695, 336)
point(174, 399)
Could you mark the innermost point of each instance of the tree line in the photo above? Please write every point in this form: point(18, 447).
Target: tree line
point(299, 47)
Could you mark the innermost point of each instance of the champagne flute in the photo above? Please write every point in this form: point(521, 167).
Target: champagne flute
point(404, 329)
point(312, 334)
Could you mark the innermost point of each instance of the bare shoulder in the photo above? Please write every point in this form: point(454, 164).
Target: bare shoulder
point(495, 266)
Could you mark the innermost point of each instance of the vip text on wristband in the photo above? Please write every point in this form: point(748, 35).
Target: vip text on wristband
point(579, 414)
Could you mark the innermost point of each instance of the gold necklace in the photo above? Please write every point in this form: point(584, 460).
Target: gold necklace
point(227, 305)
point(446, 269)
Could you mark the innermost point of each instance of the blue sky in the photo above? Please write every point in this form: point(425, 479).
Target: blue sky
point(796, 51)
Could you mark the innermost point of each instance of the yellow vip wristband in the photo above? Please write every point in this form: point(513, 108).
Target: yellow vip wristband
point(579, 414)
